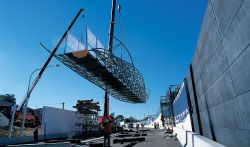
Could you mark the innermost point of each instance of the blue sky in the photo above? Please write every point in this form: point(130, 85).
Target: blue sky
point(161, 36)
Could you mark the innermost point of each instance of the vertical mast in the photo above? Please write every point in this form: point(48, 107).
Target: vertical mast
point(111, 34)
point(112, 25)
point(107, 126)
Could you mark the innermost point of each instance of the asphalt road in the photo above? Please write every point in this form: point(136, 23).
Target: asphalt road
point(156, 138)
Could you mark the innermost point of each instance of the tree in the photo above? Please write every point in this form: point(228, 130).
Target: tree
point(119, 118)
point(8, 97)
point(130, 119)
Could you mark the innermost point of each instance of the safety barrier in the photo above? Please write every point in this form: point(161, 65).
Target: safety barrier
point(29, 139)
point(62, 144)
point(191, 139)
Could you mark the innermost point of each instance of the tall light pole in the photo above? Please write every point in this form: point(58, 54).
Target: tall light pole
point(24, 108)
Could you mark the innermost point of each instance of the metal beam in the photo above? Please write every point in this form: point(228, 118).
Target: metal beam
point(112, 25)
point(47, 62)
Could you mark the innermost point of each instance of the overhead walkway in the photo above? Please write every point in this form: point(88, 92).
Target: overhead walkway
point(120, 78)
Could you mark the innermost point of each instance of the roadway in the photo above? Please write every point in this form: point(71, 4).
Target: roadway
point(146, 138)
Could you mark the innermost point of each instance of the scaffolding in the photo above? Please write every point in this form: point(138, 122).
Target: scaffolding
point(87, 116)
point(166, 105)
point(166, 110)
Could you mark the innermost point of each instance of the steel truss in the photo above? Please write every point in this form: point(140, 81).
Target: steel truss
point(120, 78)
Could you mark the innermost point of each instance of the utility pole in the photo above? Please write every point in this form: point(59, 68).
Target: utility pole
point(63, 105)
point(107, 125)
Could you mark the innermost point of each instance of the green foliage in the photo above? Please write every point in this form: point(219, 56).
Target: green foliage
point(8, 97)
point(130, 120)
point(119, 118)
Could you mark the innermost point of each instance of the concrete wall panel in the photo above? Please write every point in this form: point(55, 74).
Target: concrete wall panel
point(195, 122)
point(248, 137)
point(208, 30)
point(195, 60)
point(222, 90)
point(205, 124)
point(201, 103)
point(238, 137)
point(223, 14)
point(224, 115)
point(244, 103)
point(199, 88)
point(203, 33)
point(215, 67)
point(210, 40)
point(193, 106)
point(240, 71)
point(238, 35)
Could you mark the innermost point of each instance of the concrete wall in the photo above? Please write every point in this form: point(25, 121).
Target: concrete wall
point(221, 70)
point(190, 139)
point(55, 120)
point(4, 121)
point(30, 139)
point(193, 112)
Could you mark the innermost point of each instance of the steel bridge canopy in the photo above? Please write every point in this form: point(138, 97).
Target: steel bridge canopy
point(120, 78)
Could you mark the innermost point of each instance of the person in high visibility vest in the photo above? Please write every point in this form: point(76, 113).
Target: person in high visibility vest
point(107, 131)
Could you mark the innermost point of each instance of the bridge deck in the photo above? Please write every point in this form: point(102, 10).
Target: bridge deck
point(98, 70)
point(108, 72)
